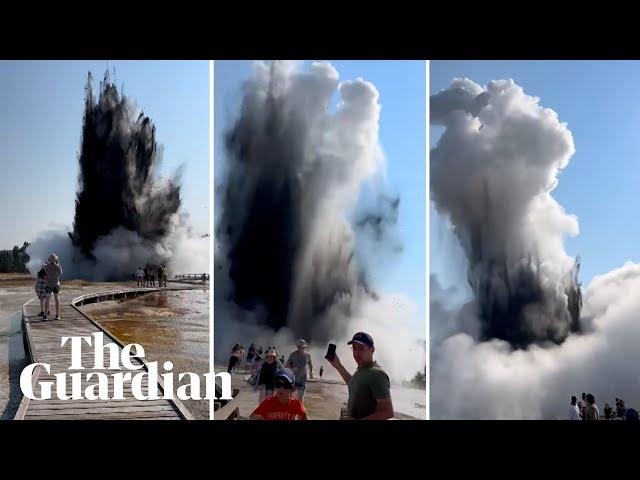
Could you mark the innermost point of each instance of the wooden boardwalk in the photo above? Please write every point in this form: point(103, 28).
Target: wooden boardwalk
point(43, 345)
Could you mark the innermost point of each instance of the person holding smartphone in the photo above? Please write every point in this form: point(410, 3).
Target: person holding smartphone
point(369, 386)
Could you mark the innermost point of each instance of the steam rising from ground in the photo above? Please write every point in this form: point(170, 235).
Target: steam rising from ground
point(491, 380)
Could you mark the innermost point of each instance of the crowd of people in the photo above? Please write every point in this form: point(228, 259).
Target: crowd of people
point(48, 282)
point(282, 384)
point(587, 409)
point(146, 277)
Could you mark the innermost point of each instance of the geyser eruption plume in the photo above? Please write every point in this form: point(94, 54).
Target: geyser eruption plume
point(292, 181)
point(492, 172)
point(118, 159)
point(125, 215)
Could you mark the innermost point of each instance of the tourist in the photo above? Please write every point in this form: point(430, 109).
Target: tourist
point(574, 412)
point(41, 289)
point(369, 386)
point(251, 353)
point(321, 372)
point(139, 277)
point(165, 274)
point(281, 406)
point(620, 410)
point(608, 412)
point(298, 361)
point(591, 411)
point(53, 270)
point(241, 355)
point(254, 371)
point(160, 276)
point(267, 375)
point(233, 358)
point(152, 277)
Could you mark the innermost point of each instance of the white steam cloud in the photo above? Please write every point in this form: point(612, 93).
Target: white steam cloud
point(294, 172)
point(119, 253)
point(493, 172)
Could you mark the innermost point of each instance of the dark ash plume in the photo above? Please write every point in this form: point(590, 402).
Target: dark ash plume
point(293, 173)
point(118, 162)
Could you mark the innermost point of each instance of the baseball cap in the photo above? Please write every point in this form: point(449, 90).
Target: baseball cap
point(301, 342)
point(287, 374)
point(362, 338)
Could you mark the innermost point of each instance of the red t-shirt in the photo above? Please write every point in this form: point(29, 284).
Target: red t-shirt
point(272, 409)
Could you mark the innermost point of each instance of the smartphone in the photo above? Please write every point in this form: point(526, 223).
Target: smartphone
point(331, 352)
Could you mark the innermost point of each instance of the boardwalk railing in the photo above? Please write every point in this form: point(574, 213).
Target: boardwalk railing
point(191, 276)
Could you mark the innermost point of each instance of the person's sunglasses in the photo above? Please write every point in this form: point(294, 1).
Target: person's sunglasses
point(284, 385)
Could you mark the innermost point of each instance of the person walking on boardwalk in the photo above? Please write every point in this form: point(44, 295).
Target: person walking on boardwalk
point(251, 353)
point(146, 276)
point(41, 292)
point(152, 277)
point(53, 270)
point(321, 372)
point(160, 276)
point(369, 386)
point(266, 378)
point(298, 362)
point(139, 277)
point(241, 355)
point(233, 359)
point(165, 274)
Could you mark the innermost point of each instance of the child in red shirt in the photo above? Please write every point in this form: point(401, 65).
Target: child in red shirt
point(280, 405)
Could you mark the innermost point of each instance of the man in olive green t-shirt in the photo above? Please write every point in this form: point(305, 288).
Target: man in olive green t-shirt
point(369, 386)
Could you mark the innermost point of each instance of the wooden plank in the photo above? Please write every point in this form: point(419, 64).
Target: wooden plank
point(57, 403)
point(44, 343)
point(99, 417)
point(151, 409)
point(106, 416)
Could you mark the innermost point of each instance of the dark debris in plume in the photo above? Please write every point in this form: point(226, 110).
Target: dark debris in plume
point(118, 159)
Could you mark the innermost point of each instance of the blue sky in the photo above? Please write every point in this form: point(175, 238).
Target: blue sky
point(41, 108)
point(600, 101)
point(401, 85)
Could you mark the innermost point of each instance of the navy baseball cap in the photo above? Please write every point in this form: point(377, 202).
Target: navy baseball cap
point(287, 374)
point(362, 338)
